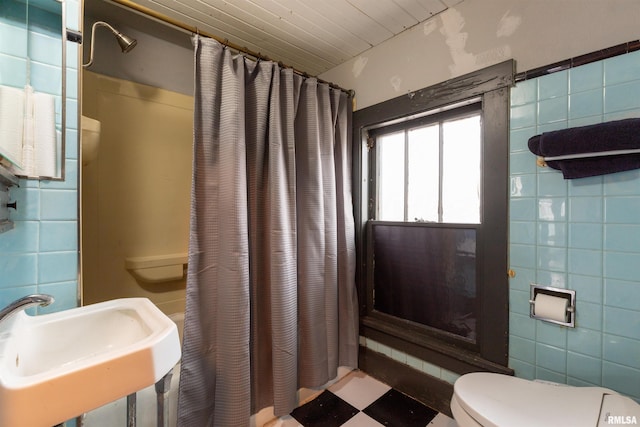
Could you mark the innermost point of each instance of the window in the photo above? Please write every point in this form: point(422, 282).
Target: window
point(433, 221)
point(429, 172)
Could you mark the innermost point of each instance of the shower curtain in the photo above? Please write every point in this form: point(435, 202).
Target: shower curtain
point(271, 302)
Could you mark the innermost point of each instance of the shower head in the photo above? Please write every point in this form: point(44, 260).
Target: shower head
point(126, 43)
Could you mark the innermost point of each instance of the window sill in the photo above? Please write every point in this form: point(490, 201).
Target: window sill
point(454, 357)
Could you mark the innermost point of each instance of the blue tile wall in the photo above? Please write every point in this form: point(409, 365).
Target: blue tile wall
point(41, 253)
point(581, 234)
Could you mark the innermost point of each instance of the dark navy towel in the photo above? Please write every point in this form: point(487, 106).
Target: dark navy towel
point(614, 135)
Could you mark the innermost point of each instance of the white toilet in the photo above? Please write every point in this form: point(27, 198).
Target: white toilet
point(492, 400)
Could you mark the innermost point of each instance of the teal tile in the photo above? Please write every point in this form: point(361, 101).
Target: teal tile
point(553, 110)
point(13, 40)
point(588, 288)
point(23, 238)
point(519, 140)
point(45, 49)
point(588, 315)
point(46, 78)
point(583, 367)
point(522, 369)
point(57, 267)
point(522, 255)
point(586, 77)
point(522, 349)
point(553, 85)
point(523, 185)
point(28, 202)
point(623, 351)
point(551, 334)
point(552, 358)
point(585, 262)
point(591, 186)
point(551, 185)
point(73, 14)
point(579, 383)
point(585, 341)
point(620, 115)
point(550, 127)
point(72, 88)
point(522, 326)
point(586, 104)
point(72, 113)
point(621, 265)
point(58, 236)
point(9, 295)
point(621, 237)
point(13, 71)
point(585, 209)
point(523, 116)
point(522, 162)
point(556, 279)
point(552, 234)
point(622, 294)
point(552, 209)
point(553, 259)
point(519, 302)
point(449, 376)
point(18, 270)
point(622, 68)
point(622, 184)
point(587, 121)
point(71, 147)
point(622, 97)
point(622, 210)
point(72, 59)
point(585, 235)
point(621, 379)
point(71, 178)
point(522, 232)
point(524, 92)
point(58, 205)
point(625, 323)
point(548, 375)
point(522, 209)
point(523, 278)
point(65, 295)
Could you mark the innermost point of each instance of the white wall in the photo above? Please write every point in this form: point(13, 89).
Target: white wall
point(478, 33)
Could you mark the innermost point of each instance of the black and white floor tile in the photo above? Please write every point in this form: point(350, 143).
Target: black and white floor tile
point(358, 400)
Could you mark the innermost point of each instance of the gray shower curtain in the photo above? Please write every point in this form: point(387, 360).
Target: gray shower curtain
point(271, 303)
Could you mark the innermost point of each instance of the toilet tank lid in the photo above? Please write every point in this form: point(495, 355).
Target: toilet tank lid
point(502, 400)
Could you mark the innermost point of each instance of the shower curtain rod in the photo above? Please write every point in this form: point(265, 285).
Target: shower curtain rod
point(194, 30)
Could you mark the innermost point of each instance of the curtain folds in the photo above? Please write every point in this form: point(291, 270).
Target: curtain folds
point(271, 303)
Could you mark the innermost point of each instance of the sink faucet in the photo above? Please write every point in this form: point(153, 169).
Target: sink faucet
point(23, 303)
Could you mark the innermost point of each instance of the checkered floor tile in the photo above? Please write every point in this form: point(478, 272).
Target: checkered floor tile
point(359, 400)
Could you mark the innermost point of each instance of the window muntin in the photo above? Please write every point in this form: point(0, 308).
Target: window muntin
point(430, 172)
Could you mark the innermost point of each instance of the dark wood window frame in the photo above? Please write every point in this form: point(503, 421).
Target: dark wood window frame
point(490, 87)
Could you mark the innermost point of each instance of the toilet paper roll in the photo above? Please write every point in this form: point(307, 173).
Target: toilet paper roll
point(550, 307)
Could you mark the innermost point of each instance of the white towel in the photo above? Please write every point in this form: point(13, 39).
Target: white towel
point(11, 124)
point(45, 141)
point(28, 142)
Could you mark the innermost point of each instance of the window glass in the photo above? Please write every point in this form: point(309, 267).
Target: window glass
point(424, 174)
point(391, 177)
point(461, 171)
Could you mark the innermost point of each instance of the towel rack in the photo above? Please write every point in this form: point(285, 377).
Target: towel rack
point(586, 155)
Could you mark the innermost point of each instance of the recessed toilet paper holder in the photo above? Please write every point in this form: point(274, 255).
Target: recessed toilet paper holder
point(563, 302)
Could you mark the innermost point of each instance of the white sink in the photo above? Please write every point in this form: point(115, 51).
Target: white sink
point(54, 367)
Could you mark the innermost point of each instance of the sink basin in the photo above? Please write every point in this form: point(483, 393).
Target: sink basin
point(56, 366)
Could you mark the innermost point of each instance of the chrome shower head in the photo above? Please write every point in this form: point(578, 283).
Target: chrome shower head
point(126, 43)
